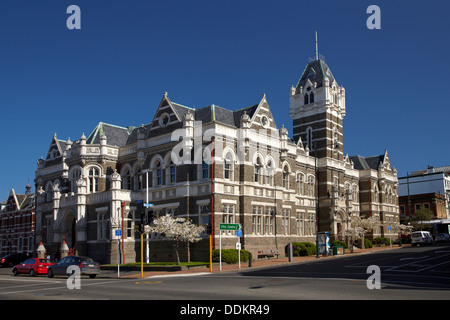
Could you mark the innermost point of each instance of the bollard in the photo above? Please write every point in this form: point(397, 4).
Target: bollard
point(249, 259)
point(291, 252)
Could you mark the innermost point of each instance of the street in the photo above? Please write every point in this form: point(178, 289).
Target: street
point(410, 273)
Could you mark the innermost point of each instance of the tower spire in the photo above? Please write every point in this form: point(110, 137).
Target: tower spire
point(317, 48)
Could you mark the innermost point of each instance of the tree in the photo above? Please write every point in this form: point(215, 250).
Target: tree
point(176, 229)
point(362, 226)
point(421, 215)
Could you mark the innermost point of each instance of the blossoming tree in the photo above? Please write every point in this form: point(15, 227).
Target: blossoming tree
point(176, 229)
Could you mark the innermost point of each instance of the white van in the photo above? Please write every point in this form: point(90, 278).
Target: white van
point(421, 237)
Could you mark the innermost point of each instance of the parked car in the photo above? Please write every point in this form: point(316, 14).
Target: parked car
point(421, 237)
point(87, 266)
point(442, 237)
point(32, 266)
point(10, 260)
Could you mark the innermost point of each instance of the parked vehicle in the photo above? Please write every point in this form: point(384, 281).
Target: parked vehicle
point(442, 237)
point(32, 267)
point(10, 260)
point(421, 237)
point(87, 266)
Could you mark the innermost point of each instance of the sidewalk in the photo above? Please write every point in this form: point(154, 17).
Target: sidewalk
point(259, 263)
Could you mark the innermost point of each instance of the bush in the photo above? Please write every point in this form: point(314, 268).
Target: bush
point(337, 243)
point(301, 249)
point(367, 243)
point(229, 255)
point(382, 240)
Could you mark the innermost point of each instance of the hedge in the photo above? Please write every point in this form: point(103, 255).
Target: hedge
point(301, 249)
point(382, 240)
point(229, 255)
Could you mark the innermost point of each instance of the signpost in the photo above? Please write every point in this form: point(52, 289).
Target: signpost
point(228, 227)
point(118, 235)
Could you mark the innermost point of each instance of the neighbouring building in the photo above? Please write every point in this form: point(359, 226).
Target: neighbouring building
point(17, 221)
point(425, 189)
point(213, 165)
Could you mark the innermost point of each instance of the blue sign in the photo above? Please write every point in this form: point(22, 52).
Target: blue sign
point(118, 233)
point(239, 233)
point(148, 205)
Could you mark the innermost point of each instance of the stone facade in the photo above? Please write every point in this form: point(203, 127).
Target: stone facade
point(212, 165)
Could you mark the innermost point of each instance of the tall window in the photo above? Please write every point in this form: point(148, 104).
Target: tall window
point(269, 220)
point(130, 225)
point(256, 220)
point(285, 221)
point(228, 167)
point(299, 223)
point(94, 174)
point(269, 173)
point(172, 172)
point(285, 177)
point(306, 99)
point(158, 173)
point(126, 179)
point(74, 176)
point(205, 170)
point(311, 97)
point(138, 179)
point(300, 184)
point(101, 226)
point(309, 137)
point(258, 168)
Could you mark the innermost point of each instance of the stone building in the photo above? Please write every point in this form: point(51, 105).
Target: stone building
point(17, 223)
point(213, 165)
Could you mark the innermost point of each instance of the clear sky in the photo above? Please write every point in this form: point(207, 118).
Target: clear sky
point(116, 68)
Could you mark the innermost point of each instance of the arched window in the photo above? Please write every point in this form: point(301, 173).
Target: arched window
point(228, 167)
point(138, 178)
point(94, 174)
point(285, 177)
point(74, 176)
point(270, 172)
point(258, 169)
point(311, 97)
point(300, 183)
point(306, 99)
point(311, 186)
point(172, 172)
point(126, 179)
point(49, 192)
point(158, 174)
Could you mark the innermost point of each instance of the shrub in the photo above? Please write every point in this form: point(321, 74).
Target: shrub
point(367, 243)
point(301, 249)
point(382, 240)
point(337, 243)
point(229, 255)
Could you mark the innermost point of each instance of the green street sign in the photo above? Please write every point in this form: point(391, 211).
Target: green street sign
point(230, 226)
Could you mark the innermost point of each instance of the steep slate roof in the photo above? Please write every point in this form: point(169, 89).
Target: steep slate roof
point(315, 71)
point(365, 163)
point(115, 135)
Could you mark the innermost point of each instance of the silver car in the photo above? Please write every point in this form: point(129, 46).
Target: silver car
point(87, 266)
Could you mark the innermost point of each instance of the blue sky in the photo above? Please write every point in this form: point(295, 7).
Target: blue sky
point(127, 53)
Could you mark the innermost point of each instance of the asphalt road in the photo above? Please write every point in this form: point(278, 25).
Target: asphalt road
point(418, 273)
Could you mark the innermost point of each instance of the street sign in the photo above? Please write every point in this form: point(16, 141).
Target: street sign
point(238, 246)
point(148, 205)
point(118, 233)
point(239, 233)
point(230, 226)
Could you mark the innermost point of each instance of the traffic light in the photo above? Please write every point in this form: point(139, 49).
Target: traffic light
point(141, 226)
point(150, 216)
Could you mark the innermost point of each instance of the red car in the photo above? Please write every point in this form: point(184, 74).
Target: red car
point(32, 266)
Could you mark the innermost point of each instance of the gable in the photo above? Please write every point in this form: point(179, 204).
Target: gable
point(168, 117)
point(262, 117)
